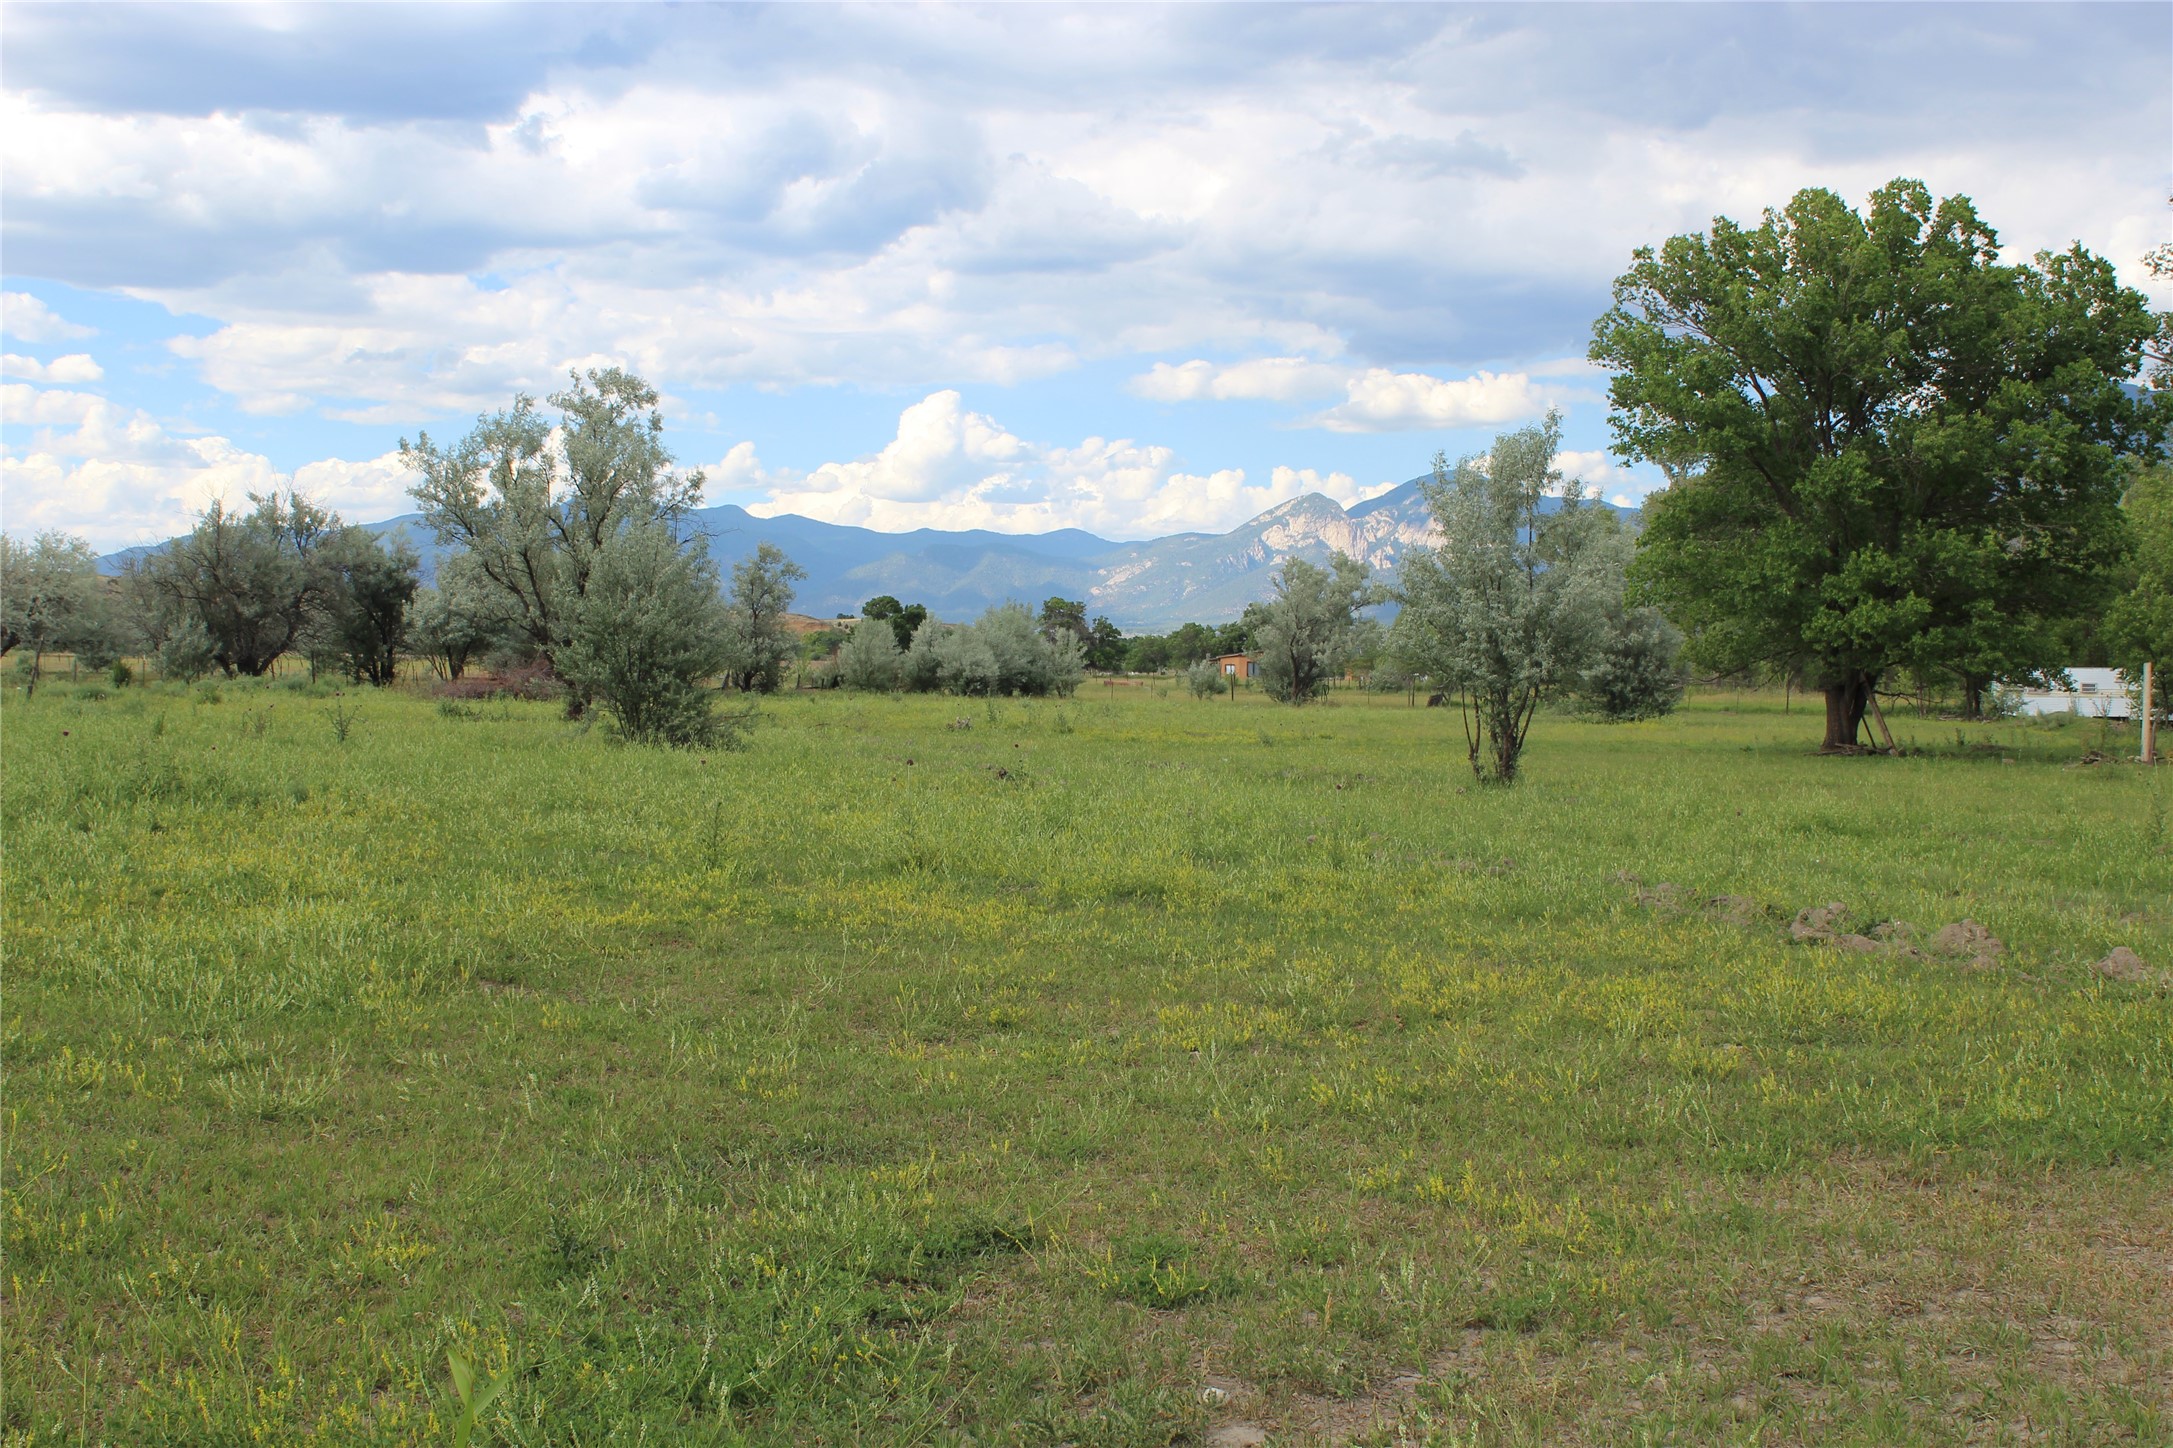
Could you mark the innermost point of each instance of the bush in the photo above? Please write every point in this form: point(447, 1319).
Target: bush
point(121, 674)
point(870, 657)
point(650, 631)
point(1205, 679)
point(1387, 677)
point(1004, 653)
point(1636, 670)
point(965, 662)
point(187, 653)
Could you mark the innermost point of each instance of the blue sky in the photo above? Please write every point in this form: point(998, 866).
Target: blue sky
point(1132, 269)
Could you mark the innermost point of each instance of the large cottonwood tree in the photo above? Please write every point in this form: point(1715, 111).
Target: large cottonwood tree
point(1886, 447)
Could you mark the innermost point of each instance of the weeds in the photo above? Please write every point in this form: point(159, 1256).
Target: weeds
point(474, 1401)
point(568, 1250)
point(814, 1096)
point(275, 1090)
point(342, 718)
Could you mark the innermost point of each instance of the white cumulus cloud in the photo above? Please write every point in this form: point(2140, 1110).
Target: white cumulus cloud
point(1291, 482)
point(1385, 401)
point(949, 467)
point(75, 367)
point(23, 315)
point(1375, 399)
point(85, 464)
point(1600, 471)
point(1276, 379)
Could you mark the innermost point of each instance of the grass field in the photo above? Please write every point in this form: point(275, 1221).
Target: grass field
point(1130, 1070)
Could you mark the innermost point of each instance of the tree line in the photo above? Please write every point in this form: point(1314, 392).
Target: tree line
point(1889, 455)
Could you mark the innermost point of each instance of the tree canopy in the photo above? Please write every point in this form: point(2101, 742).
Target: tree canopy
point(252, 581)
point(757, 640)
point(50, 599)
point(2139, 625)
point(534, 502)
point(1885, 446)
point(1513, 606)
point(1305, 630)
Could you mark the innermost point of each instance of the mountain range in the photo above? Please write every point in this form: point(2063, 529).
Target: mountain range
point(1141, 587)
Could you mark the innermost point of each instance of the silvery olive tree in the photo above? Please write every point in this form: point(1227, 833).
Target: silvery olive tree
point(757, 640)
point(1512, 605)
point(50, 600)
point(534, 502)
point(1305, 633)
point(651, 631)
point(870, 657)
point(254, 582)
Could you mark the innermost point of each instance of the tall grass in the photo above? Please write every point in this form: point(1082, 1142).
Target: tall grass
point(891, 1082)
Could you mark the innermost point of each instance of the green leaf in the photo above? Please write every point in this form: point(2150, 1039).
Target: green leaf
point(463, 1379)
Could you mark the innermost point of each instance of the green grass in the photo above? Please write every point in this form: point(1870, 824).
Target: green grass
point(1107, 1072)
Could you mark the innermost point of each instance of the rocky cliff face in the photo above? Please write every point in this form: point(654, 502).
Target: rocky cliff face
point(1211, 577)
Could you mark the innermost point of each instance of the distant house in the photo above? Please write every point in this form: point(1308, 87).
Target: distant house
point(2097, 694)
point(1240, 666)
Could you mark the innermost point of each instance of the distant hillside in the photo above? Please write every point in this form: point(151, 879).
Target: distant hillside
point(1148, 587)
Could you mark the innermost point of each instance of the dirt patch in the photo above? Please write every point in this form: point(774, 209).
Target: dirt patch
point(1238, 1435)
point(2124, 965)
point(1966, 939)
point(1816, 923)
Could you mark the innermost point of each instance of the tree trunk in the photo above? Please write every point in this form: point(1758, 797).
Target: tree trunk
point(1846, 700)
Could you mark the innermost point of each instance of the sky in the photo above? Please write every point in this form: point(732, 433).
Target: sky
point(1133, 269)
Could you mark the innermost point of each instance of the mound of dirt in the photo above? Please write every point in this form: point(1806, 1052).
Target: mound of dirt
point(1819, 922)
point(2125, 965)
point(1967, 937)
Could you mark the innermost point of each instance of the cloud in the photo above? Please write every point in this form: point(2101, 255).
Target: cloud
point(75, 367)
point(386, 215)
point(949, 467)
point(1278, 379)
point(1385, 401)
point(1375, 398)
point(360, 492)
point(82, 463)
point(1621, 485)
point(452, 64)
point(1464, 154)
point(23, 315)
point(1288, 482)
point(890, 199)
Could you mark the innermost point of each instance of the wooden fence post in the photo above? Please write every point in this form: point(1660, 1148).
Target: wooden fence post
point(2150, 717)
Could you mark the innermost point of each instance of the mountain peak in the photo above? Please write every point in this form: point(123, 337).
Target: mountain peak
point(1308, 504)
point(1145, 587)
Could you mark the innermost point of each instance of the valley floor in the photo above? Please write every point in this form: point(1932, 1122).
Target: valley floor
point(1127, 1070)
